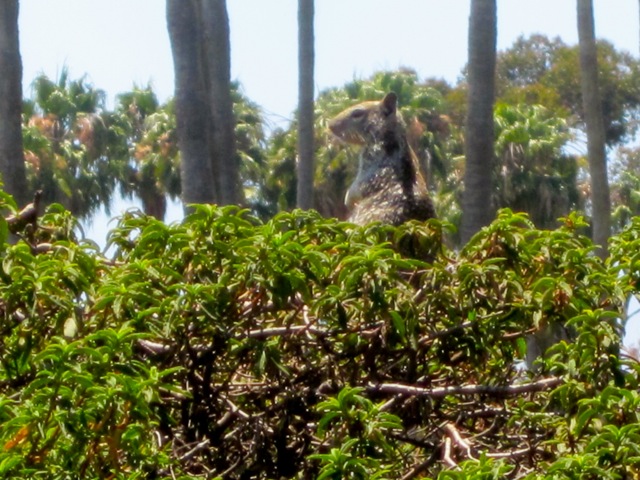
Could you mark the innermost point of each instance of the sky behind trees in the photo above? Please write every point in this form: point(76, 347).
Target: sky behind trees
point(121, 42)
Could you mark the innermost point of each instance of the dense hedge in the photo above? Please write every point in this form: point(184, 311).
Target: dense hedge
point(307, 348)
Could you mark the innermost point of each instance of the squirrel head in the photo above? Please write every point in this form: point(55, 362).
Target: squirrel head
point(366, 122)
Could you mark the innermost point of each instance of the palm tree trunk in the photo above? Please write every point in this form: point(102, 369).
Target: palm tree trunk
point(596, 149)
point(306, 56)
point(12, 167)
point(192, 112)
point(477, 207)
point(215, 29)
point(154, 203)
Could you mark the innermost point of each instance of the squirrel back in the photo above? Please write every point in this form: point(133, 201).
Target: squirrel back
point(389, 186)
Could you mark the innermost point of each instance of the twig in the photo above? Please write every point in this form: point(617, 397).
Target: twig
point(453, 433)
point(27, 216)
point(388, 404)
point(484, 412)
point(512, 335)
point(194, 450)
point(154, 347)
point(440, 392)
point(236, 410)
point(158, 438)
point(418, 469)
point(233, 467)
point(157, 348)
point(263, 333)
point(426, 340)
point(511, 454)
point(446, 454)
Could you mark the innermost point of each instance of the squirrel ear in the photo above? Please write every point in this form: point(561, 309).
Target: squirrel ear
point(389, 103)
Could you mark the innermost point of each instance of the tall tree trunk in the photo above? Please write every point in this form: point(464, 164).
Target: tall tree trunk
point(12, 166)
point(154, 203)
point(477, 205)
point(596, 149)
point(306, 57)
point(215, 28)
point(192, 110)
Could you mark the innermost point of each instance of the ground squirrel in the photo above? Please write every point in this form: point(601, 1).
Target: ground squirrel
point(389, 186)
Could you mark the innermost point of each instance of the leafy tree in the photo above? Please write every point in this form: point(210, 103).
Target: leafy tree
point(526, 73)
point(147, 136)
point(546, 71)
point(12, 167)
point(251, 149)
point(476, 210)
point(526, 62)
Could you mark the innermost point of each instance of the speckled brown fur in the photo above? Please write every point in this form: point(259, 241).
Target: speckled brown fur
point(388, 187)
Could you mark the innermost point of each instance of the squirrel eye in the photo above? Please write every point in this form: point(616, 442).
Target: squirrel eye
point(357, 113)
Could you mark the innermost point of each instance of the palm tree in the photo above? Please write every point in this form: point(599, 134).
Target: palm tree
point(67, 145)
point(151, 168)
point(305, 104)
point(251, 146)
point(193, 120)
point(199, 35)
point(147, 136)
point(592, 103)
point(625, 187)
point(534, 174)
point(477, 210)
point(214, 25)
point(12, 168)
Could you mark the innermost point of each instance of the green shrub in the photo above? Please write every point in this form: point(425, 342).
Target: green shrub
point(307, 348)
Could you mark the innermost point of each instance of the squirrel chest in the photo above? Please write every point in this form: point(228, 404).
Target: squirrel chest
point(388, 186)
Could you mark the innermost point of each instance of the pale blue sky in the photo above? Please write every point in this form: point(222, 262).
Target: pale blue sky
point(119, 42)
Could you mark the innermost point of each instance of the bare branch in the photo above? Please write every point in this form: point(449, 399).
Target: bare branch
point(421, 467)
point(446, 454)
point(27, 216)
point(237, 410)
point(263, 333)
point(428, 339)
point(440, 392)
point(453, 433)
point(512, 453)
point(154, 347)
point(199, 446)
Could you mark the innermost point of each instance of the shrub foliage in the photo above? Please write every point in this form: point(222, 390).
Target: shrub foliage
point(303, 347)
